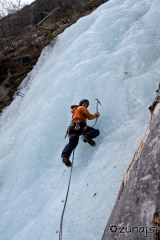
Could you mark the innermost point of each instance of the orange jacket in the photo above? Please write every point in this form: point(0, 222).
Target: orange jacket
point(81, 113)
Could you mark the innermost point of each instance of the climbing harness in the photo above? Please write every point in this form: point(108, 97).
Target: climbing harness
point(61, 224)
point(97, 110)
point(75, 125)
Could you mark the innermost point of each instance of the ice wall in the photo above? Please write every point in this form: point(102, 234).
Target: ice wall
point(113, 55)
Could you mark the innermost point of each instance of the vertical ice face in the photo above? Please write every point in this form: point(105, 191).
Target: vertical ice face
point(113, 55)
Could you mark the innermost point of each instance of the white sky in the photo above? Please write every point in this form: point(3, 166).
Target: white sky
point(4, 6)
point(27, 1)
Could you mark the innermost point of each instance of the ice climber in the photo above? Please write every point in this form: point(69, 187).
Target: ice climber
point(78, 127)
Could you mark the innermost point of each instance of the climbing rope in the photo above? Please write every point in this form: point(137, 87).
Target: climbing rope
point(61, 224)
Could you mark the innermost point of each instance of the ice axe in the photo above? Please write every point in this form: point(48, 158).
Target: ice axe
point(97, 104)
point(97, 109)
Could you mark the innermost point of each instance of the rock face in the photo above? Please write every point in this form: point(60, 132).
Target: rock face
point(136, 214)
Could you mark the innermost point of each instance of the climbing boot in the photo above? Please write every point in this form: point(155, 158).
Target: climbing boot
point(65, 160)
point(89, 140)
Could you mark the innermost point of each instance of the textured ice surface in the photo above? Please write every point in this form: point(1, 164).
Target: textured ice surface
point(113, 55)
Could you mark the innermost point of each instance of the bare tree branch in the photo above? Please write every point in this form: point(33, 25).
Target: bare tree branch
point(47, 17)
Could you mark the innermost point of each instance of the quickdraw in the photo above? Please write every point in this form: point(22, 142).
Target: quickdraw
point(67, 132)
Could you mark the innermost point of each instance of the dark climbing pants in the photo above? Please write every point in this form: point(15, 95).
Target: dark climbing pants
point(74, 137)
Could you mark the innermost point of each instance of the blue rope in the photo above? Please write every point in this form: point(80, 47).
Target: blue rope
point(61, 224)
